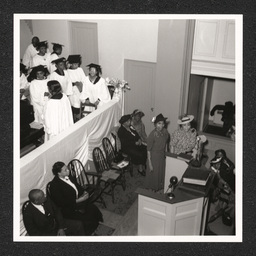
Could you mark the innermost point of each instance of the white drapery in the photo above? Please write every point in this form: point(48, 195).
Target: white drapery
point(77, 142)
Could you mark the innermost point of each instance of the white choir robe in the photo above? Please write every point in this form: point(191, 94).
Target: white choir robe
point(24, 84)
point(76, 75)
point(65, 82)
point(30, 52)
point(41, 60)
point(37, 89)
point(95, 91)
point(57, 116)
point(52, 57)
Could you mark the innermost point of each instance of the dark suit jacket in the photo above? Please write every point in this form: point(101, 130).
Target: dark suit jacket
point(64, 196)
point(128, 139)
point(39, 224)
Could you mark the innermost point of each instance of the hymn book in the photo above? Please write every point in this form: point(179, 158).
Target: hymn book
point(196, 176)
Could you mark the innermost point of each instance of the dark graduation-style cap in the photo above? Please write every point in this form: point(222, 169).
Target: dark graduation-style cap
point(57, 45)
point(41, 44)
point(59, 60)
point(74, 58)
point(34, 70)
point(39, 68)
point(96, 66)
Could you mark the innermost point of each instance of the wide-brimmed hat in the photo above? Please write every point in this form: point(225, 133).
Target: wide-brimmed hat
point(138, 112)
point(124, 118)
point(159, 118)
point(185, 119)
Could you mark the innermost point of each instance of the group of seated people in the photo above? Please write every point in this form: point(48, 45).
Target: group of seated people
point(64, 211)
point(55, 87)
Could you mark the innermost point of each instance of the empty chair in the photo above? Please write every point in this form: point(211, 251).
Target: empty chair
point(116, 160)
point(87, 180)
point(86, 108)
point(109, 177)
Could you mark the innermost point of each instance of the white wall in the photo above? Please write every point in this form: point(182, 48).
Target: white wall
point(125, 39)
point(117, 40)
point(169, 73)
point(25, 37)
point(223, 90)
point(54, 31)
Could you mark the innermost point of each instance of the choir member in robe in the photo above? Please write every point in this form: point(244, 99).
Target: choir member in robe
point(57, 114)
point(38, 90)
point(78, 78)
point(30, 52)
point(42, 57)
point(24, 85)
point(95, 89)
point(57, 50)
point(61, 75)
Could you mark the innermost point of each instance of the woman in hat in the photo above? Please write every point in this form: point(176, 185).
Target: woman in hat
point(183, 140)
point(95, 89)
point(42, 57)
point(139, 126)
point(131, 143)
point(61, 75)
point(156, 146)
point(78, 78)
point(57, 114)
point(38, 90)
point(57, 50)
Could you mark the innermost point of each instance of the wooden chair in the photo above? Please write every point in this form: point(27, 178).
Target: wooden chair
point(83, 111)
point(89, 181)
point(48, 190)
point(109, 177)
point(112, 157)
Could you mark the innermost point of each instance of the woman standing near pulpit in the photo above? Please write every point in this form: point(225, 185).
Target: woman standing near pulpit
point(156, 145)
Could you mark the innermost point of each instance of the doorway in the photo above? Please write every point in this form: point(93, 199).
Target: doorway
point(141, 77)
point(84, 41)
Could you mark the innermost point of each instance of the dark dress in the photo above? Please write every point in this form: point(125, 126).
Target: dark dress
point(128, 139)
point(156, 144)
point(64, 196)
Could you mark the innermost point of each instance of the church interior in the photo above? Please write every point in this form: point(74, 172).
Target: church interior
point(169, 66)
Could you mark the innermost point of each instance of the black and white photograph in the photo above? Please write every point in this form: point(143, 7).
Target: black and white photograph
point(128, 128)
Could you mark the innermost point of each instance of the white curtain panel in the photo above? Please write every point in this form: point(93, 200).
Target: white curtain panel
point(78, 141)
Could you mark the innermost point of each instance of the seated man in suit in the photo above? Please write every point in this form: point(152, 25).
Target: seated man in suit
point(41, 217)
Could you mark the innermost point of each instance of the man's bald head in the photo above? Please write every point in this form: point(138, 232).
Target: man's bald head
point(36, 196)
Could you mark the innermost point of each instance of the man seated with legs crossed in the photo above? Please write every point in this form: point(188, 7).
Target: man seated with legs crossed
point(42, 217)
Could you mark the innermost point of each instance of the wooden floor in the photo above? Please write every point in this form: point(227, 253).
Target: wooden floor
point(124, 225)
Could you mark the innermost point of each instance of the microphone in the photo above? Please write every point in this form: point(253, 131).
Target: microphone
point(173, 182)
